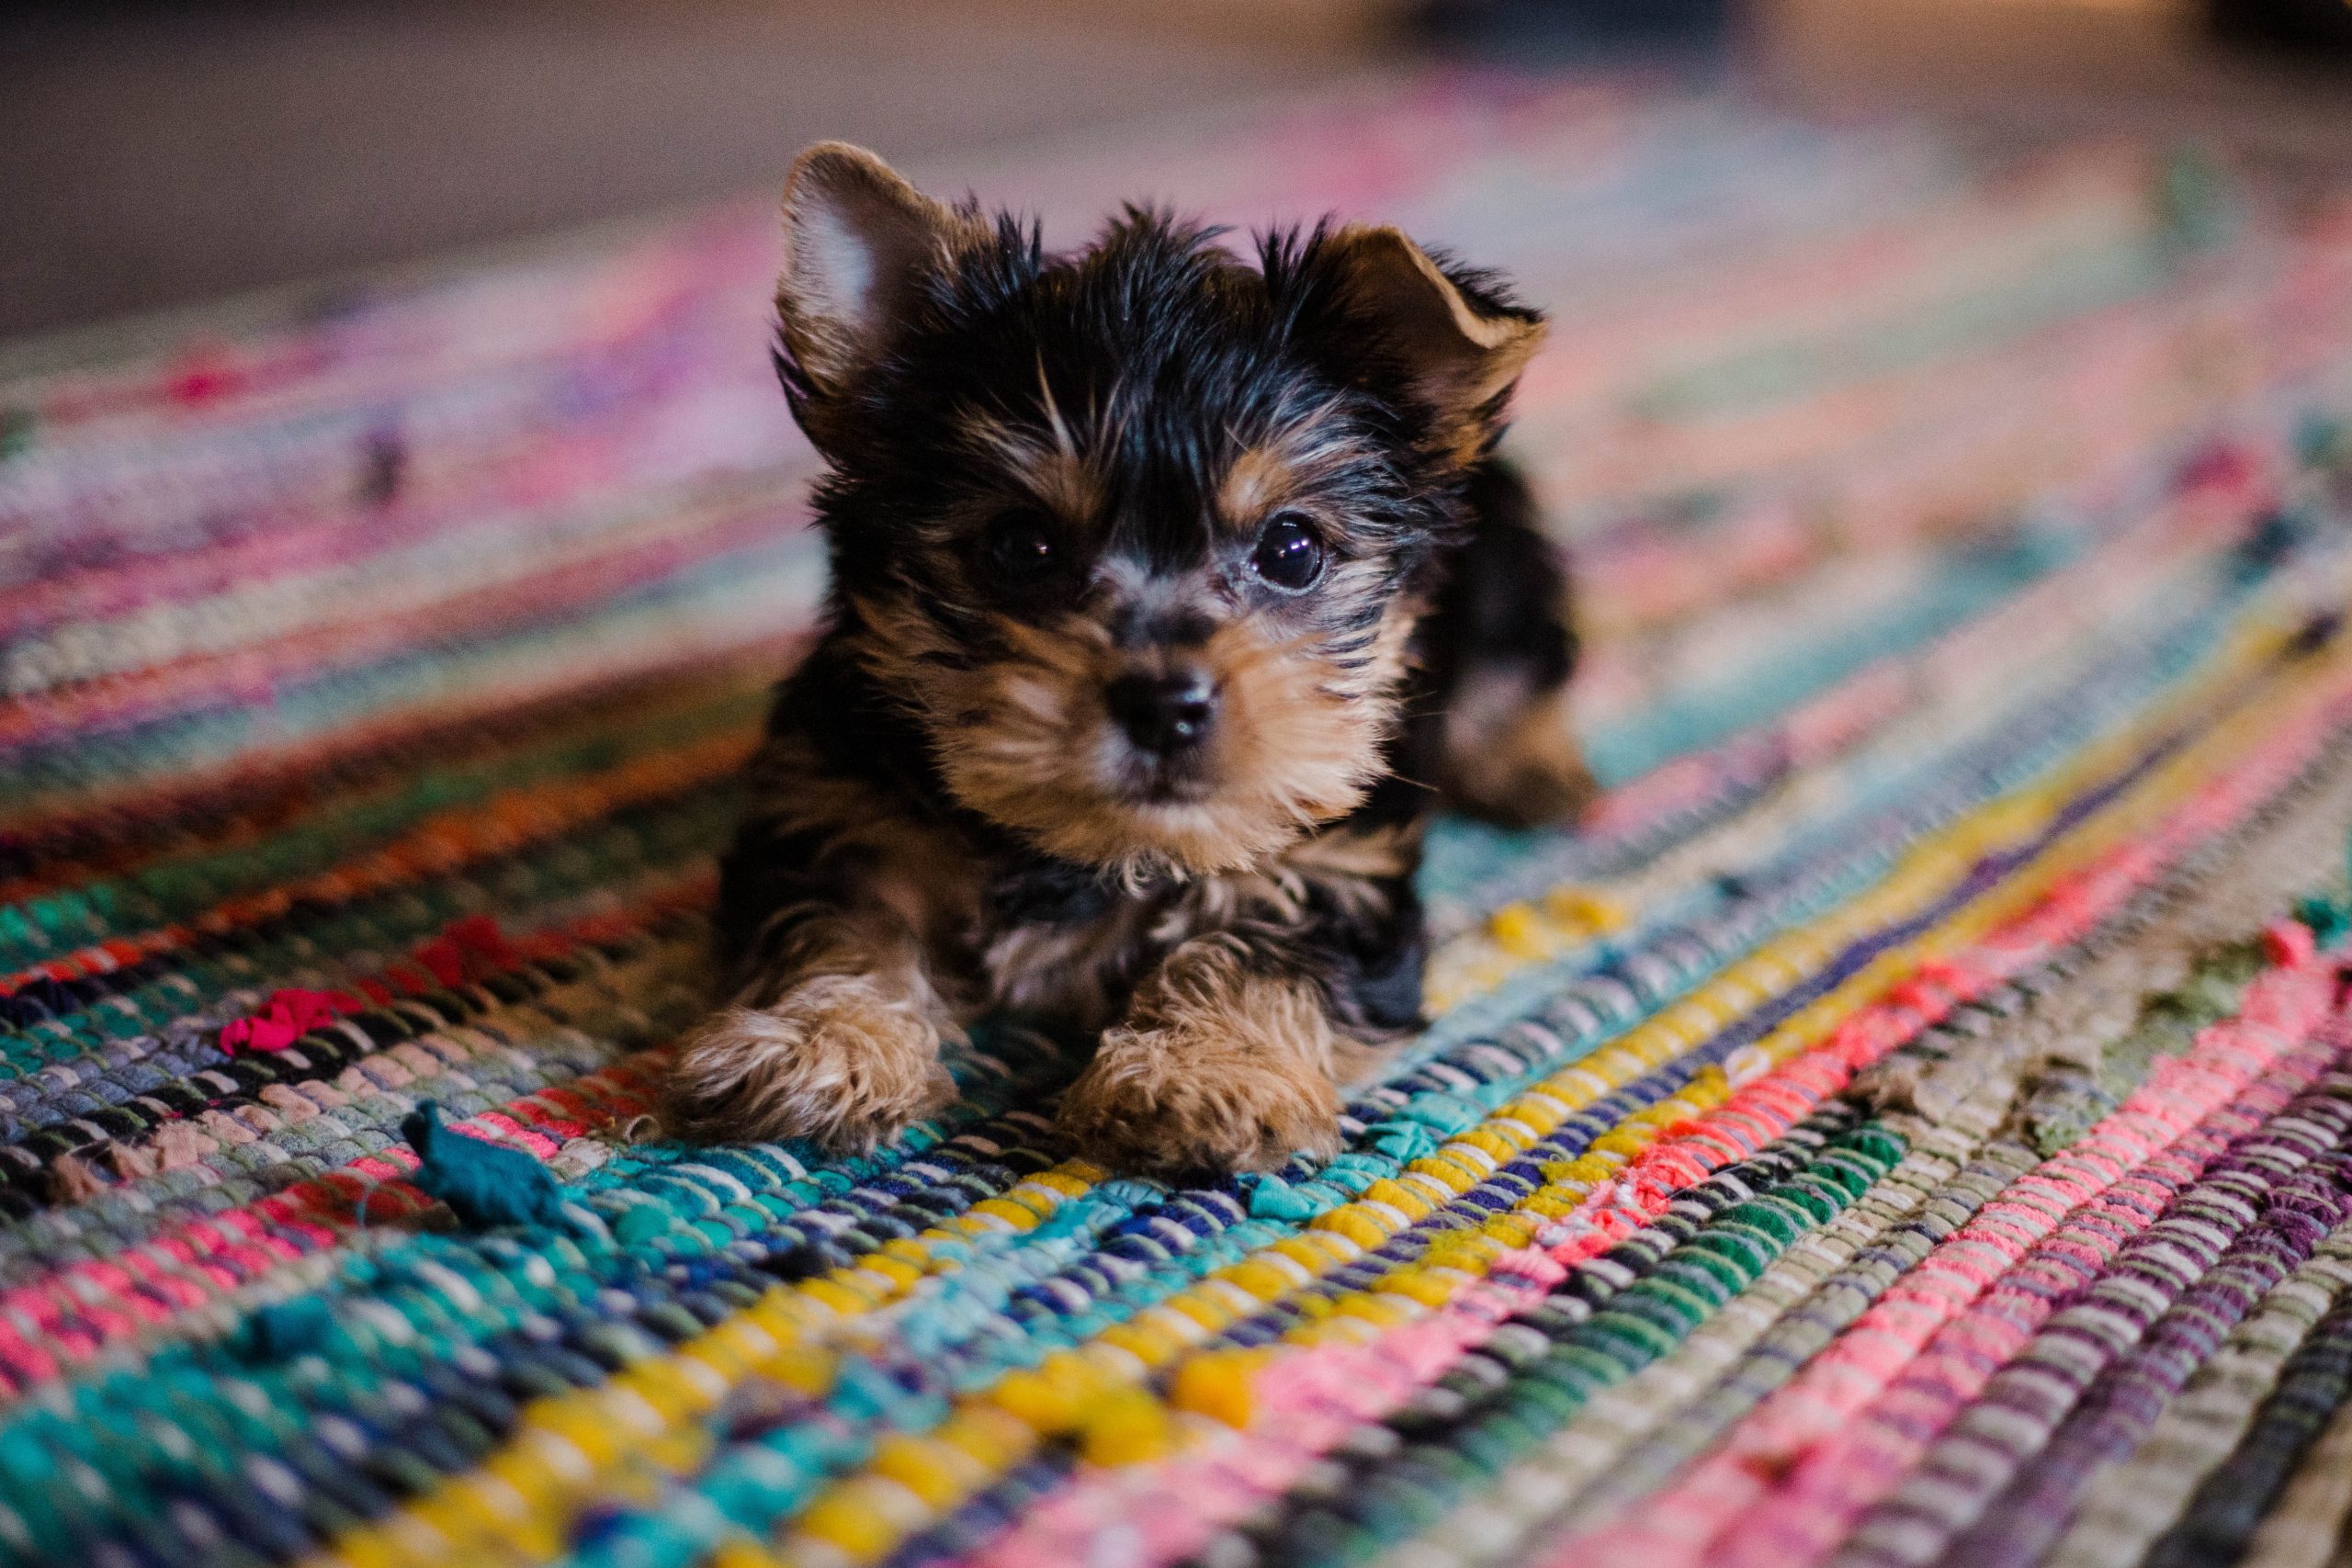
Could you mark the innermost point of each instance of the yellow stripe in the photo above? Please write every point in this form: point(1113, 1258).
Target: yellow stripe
point(1097, 1399)
point(619, 1439)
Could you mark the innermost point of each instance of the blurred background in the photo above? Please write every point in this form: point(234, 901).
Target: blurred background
point(155, 153)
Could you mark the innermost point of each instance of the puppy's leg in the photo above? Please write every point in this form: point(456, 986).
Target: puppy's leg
point(836, 1039)
point(1223, 1062)
point(1500, 647)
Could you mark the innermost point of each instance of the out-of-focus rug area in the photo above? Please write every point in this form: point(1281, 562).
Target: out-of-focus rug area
point(1910, 1123)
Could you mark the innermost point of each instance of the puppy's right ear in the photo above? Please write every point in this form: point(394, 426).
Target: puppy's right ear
point(857, 242)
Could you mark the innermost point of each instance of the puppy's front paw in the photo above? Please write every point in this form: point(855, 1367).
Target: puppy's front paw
point(1195, 1098)
point(844, 1059)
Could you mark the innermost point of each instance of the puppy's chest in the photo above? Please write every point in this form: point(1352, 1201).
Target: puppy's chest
point(1053, 940)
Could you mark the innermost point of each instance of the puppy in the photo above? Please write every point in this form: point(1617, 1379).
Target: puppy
point(1171, 593)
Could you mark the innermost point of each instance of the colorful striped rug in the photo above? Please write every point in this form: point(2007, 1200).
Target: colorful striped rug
point(1911, 1124)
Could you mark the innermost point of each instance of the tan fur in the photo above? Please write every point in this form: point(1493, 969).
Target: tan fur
point(837, 1041)
point(914, 870)
point(856, 234)
point(1057, 476)
point(1512, 757)
point(1074, 975)
point(1394, 851)
point(1022, 740)
point(922, 883)
point(1280, 469)
point(1079, 973)
point(1222, 1054)
point(1463, 361)
point(1216, 1068)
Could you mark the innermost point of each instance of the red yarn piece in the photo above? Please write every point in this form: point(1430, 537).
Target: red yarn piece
point(2289, 943)
point(482, 944)
point(286, 1018)
point(442, 960)
point(468, 950)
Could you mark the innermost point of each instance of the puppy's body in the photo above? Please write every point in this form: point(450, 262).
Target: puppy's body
point(1170, 595)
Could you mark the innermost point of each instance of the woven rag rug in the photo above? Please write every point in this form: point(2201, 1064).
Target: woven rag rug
point(1909, 1124)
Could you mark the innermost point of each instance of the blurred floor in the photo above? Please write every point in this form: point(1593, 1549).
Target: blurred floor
point(155, 153)
point(152, 154)
point(2058, 65)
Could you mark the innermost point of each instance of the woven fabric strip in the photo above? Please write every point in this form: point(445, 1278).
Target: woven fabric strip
point(1903, 1123)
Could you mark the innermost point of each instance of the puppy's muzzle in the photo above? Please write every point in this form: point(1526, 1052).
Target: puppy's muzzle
point(1167, 714)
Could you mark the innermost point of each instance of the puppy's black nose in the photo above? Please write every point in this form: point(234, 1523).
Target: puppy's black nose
point(1166, 714)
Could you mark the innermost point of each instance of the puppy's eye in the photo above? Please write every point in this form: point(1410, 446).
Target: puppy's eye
point(1019, 546)
point(1289, 553)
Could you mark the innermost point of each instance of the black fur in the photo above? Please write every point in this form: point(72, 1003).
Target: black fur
point(1162, 357)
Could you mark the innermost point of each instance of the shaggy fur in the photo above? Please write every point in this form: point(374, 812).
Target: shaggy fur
point(1171, 588)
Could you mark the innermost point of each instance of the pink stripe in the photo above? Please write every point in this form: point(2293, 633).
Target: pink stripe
point(72, 1313)
point(1766, 1475)
point(1861, 1462)
point(1313, 1396)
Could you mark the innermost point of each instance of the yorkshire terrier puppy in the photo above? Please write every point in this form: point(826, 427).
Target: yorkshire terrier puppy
point(1172, 591)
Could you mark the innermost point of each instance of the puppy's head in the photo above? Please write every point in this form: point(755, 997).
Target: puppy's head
point(1137, 536)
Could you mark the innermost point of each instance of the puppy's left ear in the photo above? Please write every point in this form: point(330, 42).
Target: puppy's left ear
point(1461, 344)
